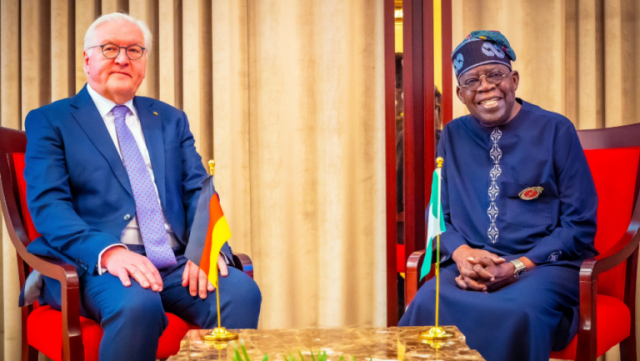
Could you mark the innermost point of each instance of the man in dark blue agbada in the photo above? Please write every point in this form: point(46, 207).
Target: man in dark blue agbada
point(519, 205)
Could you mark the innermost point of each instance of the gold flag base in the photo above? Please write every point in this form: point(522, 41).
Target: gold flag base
point(220, 334)
point(435, 333)
point(435, 344)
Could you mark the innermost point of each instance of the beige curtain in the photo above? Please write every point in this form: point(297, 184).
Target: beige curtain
point(298, 133)
point(288, 94)
point(580, 58)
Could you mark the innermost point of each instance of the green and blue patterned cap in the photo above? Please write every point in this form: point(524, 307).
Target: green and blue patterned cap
point(479, 48)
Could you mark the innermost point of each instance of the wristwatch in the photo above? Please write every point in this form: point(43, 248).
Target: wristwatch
point(520, 268)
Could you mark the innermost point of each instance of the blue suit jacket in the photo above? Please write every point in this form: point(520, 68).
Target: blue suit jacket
point(78, 190)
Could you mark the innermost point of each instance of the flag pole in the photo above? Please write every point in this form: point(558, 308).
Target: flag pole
point(219, 333)
point(212, 169)
point(437, 332)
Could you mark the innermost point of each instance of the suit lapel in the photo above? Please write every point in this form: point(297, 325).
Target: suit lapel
point(87, 115)
point(152, 129)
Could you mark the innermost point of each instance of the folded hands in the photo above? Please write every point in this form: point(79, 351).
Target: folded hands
point(481, 270)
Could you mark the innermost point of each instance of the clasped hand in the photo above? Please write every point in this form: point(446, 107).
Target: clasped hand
point(481, 270)
point(123, 264)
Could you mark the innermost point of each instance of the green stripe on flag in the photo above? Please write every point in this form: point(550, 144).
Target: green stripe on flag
point(435, 222)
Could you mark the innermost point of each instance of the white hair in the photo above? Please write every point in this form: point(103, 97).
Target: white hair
point(90, 36)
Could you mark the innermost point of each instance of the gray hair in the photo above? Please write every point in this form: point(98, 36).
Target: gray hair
point(90, 36)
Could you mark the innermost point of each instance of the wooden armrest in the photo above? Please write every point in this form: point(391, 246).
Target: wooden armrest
point(243, 263)
point(65, 273)
point(412, 276)
point(625, 249)
point(592, 267)
point(70, 306)
point(59, 270)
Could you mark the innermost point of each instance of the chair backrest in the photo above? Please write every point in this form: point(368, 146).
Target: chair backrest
point(18, 163)
point(614, 157)
point(13, 144)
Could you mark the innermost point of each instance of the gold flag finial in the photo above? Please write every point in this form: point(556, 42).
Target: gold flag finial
point(439, 162)
point(212, 167)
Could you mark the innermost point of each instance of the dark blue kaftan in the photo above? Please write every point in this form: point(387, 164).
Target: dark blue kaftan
point(484, 171)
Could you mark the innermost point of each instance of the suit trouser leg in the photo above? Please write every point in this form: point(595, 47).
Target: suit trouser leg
point(132, 318)
point(240, 299)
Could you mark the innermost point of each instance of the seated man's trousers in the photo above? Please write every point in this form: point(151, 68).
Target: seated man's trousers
point(133, 318)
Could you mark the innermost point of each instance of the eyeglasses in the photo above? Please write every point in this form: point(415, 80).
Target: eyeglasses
point(473, 84)
point(111, 51)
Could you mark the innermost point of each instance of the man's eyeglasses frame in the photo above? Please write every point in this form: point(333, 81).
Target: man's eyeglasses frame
point(126, 48)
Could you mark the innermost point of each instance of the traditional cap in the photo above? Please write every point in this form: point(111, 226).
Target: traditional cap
point(482, 47)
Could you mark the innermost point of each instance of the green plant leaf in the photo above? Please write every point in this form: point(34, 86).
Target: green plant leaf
point(312, 357)
point(301, 357)
point(244, 351)
point(236, 354)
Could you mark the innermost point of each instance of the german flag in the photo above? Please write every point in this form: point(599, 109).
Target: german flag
point(209, 232)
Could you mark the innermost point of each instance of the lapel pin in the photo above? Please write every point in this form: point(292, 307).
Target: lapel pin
point(530, 193)
point(155, 113)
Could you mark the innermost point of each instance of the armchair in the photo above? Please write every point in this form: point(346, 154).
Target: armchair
point(63, 335)
point(608, 281)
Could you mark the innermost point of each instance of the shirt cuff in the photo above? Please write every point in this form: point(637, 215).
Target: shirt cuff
point(449, 242)
point(102, 270)
point(226, 259)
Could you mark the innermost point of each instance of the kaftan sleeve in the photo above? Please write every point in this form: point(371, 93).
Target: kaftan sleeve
point(451, 239)
point(574, 234)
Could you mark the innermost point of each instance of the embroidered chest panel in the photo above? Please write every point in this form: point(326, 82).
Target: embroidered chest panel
point(494, 190)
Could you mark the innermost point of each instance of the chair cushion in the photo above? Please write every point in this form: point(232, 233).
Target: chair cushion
point(44, 333)
point(613, 325)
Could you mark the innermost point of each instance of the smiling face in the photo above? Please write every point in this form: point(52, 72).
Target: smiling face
point(491, 104)
point(116, 79)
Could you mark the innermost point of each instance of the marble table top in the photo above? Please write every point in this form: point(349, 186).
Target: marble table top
point(395, 343)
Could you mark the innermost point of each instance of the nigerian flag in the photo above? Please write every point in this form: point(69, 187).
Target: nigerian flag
point(435, 221)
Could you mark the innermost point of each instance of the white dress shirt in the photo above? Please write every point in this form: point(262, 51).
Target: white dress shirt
point(131, 233)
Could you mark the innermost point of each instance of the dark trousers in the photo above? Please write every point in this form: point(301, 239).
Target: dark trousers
point(133, 318)
point(523, 321)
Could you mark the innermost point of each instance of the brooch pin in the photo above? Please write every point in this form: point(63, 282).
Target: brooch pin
point(530, 193)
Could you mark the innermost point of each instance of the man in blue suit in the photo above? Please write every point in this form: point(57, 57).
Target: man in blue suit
point(113, 182)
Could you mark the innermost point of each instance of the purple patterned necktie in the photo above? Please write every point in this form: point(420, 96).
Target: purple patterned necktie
point(150, 220)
